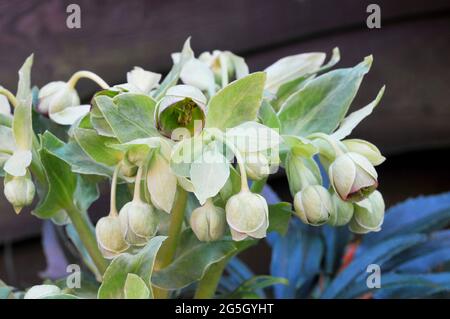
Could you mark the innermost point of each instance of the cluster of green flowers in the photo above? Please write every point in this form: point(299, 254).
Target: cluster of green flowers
point(181, 118)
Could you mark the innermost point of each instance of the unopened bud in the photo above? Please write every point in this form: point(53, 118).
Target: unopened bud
point(139, 222)
point(256, 165)
point(313, 205)
point(342, 212)
point(19, 191)
point(368, 215)
point(110, 237)
point(247, 214)
point(366, 149)
point(208, 222)
point(353, 177)
point(301, 172)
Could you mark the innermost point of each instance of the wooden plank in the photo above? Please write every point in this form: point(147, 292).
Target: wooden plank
point(411, 58)
point(117, 35)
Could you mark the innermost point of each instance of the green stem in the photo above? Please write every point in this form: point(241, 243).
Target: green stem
point(82, 225)
point(207, 286)
point(167, 252)
point(11, 98)
point(88, 75)
point(257, 186)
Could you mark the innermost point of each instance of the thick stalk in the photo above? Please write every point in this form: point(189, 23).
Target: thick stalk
point(167, 252)
point(207, 286)
point(11, 98)
point(82, 226)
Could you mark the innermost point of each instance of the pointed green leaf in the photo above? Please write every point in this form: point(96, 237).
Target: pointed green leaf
point(135, 288)
point(323, 102)
point(238, 102)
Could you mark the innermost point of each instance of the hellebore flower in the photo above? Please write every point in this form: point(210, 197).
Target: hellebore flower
point(110, 236)
point(342, 212)
point(301, 172)
point(208, 222)
point(61, 102)
point(139, 222)
point(256, 165)
point(353, 177)
point(366, 149)
point(183, 107)
point(19, 191)
point(368, 215)
point(313, 205)
point(138, 219)
point(141, 81)
point(247, 214)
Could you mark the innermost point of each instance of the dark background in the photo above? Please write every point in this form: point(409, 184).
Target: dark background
point(411, 56)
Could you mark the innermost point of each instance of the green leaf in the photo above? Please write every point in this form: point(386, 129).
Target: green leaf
point(73, 154)
point(24, 85)
point(141, 264)
point(135, 288)
point(95, 146)
point(238, 102)
point(192, 263)
point(351, 121)
point(292, 67)
point(288, 88)
point(279, 217)
point(61, 186)
point(322, 104)
point(268, 116)
point(130, 116)
point(252, 285)
point(209, 174)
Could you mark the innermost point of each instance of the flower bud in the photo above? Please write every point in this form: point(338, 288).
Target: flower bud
point(366, 149)
point(342, 212)
point(61, 102)
point(139, 222)
point(368, 215)
point(247, 214)
point(313, 205)
point(301, 172)
point(182, 107)
point(127, 168)
point(42, 291)
point(256, 165)
point(19, 191)
point(208, 222)
point(110, 236)
point(353, 177)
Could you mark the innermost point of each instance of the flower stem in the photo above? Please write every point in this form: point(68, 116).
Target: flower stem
point(83, 227)
point(112, 205)
point(207, 286)
point(89, 75)
point(167, 252)
point(11, 98)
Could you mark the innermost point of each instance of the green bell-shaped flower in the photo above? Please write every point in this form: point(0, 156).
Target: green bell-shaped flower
point(368, 215)
point(183, 107)
point(19, 191)
point(313, 205)
point(110, 236)
point(247, 215)
point(342, 212)
point(208, 222)
point(353, 177)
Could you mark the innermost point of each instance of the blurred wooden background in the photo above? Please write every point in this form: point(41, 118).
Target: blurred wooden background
point(411, 52)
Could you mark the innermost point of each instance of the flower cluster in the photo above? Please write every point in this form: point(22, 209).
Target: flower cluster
point(198, 136)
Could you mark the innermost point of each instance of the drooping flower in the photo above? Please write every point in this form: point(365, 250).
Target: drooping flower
point(353, 177)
